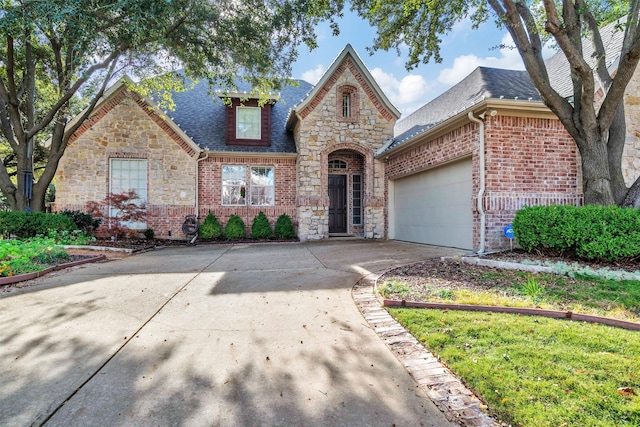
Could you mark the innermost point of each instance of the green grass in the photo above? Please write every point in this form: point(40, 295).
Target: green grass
point(533, 371)
point(585, 294)
point(20, 257)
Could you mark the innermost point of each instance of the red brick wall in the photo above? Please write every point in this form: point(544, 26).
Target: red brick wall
point(528, 161)
point(210, 189)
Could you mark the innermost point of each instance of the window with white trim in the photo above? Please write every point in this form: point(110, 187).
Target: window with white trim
point(262, 186)
point(234, 185)
point(126, 175)
point(248, 123)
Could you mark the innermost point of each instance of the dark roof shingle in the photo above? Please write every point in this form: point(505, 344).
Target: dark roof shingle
point(201, 115)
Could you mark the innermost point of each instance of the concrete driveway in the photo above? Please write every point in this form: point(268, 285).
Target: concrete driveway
point(230, 335)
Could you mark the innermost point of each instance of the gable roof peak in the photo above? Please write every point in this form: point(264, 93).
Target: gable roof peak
point(370, 86)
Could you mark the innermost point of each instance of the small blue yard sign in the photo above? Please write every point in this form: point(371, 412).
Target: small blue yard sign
point(508, 231)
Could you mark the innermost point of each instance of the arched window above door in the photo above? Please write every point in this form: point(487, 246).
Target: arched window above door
point(337, 164)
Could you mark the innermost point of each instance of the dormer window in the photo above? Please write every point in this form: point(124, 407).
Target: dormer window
point(347, 109)
point(248, 124)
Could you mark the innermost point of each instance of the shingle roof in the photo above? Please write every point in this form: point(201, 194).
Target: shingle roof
point(201, 115)
point(558, 66)
point(481, 84)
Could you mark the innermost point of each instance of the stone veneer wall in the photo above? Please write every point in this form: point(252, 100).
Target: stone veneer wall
point(528, 161)
point(126, 128)
point(318, 133)
point(211, 188)
point(631, 154)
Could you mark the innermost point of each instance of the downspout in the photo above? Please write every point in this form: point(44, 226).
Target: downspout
point(197, 204)
point(481, 172)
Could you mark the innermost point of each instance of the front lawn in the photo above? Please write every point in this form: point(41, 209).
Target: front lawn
point(529, 371)
point(537, 371)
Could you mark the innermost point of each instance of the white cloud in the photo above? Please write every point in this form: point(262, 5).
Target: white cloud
point(463, 65)
point(313, 75)
point(407, 94)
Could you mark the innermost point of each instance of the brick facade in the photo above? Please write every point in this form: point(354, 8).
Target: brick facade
point(528, 161)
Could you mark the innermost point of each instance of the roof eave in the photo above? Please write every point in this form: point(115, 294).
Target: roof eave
point(506, 107)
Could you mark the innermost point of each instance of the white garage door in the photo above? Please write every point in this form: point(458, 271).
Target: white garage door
point(434, 206)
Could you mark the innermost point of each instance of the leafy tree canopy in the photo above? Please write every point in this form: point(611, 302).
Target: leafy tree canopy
point(58, 56)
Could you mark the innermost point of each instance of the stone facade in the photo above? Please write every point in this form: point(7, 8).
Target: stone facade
point(320, 132)
point(126, 128)
point(631, 154)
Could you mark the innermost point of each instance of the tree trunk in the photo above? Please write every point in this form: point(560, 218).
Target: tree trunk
point(596, 178)
point(615, 149)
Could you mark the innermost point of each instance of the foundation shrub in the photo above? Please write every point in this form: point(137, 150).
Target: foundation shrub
point(261, 229)
point(211, 228)
point(600, 233)
point(83, 221)
point(284, 227)
point(30, 224)
point(234, 230)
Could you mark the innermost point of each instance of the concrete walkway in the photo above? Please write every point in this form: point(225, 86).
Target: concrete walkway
point(231, 335)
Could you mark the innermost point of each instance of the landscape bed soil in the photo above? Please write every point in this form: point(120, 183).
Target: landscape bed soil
point(425, 277)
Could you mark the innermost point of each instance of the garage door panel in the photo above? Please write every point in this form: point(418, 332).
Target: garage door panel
point(434, 206)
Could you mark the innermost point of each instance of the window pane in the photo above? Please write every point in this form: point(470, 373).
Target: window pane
point(126, 175)
point(262, 186)
point(346, 105)
point(356, 194)
point(234, 185)
point(248, 123)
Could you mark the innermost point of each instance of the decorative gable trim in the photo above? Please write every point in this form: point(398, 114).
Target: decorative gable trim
point(117, 96)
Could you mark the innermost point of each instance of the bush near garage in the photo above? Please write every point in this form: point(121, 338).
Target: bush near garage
point(599, 233)
point(30, 224)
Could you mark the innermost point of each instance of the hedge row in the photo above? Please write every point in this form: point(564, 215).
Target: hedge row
point(30, 224)
point(211, 229)
point(606, 233)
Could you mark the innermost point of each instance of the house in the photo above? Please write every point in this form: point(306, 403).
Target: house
point(460, 167)
point(308, 152)
point(335, 158)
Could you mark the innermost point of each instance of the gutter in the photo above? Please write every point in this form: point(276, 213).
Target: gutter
point(481, 172)
point(197, 204)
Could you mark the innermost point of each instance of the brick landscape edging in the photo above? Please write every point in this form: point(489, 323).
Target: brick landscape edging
point(449, 394)
point(28, 276)
point(517, 310)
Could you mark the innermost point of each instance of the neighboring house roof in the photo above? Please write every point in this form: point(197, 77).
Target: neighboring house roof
point(366, 80)
point(558, 66)
point(201, 115)
point(481, 84)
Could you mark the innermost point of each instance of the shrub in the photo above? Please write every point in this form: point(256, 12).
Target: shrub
point(261, 229)
point(210, 228)
point(83, 221)
point(149, 234)
point(234, 230)
point(606, 233)
point(31, 224)
point(284, 227)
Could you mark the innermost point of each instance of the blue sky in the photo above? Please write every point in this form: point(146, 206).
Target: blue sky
point(462, 51)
